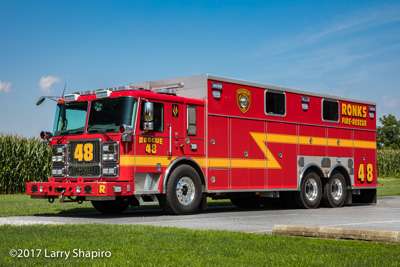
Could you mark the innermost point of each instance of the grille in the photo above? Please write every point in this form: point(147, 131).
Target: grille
point(84, 171)
point(75, 160)
point(85, 160)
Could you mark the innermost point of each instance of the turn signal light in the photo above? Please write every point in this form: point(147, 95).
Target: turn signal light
point(125, 129)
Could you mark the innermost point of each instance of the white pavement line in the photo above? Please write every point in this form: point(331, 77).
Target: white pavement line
point(375, 222)
point(261, 231)
point(208, 218)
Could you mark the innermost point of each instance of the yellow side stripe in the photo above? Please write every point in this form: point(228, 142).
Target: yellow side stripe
point(281, 138)
point(319, 141)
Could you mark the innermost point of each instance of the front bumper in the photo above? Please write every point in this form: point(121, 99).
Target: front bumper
point(80, 189)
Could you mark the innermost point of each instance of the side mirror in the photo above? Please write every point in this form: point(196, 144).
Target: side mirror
point(40, 101)
point(148, 111)
point(148, 117)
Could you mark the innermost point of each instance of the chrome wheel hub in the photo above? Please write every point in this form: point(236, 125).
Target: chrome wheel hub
point(185, 190)
point(336, 189)
point(311, 189)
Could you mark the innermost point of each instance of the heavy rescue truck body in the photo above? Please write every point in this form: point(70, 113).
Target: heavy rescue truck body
point(177, 141)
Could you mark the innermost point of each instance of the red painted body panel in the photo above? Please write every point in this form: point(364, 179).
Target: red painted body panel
point(242, 147)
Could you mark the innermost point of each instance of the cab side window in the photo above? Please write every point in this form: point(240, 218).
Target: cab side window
point(158, 117)
point(191, 120)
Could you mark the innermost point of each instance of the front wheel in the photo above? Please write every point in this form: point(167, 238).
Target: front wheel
point(334, 191)
point(310, 193)
point(183, 192)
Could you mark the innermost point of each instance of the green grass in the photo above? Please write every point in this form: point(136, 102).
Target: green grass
point(389, 187)
point(162, 246)
point(23, 205)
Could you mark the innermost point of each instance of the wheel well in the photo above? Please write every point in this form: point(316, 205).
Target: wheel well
point(344, 172)
point(189, 162)
point(312, 168)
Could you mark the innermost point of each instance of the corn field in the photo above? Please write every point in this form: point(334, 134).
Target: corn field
point(22, 160)
point(388, 163)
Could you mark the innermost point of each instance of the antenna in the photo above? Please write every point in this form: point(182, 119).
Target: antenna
point(65, 86)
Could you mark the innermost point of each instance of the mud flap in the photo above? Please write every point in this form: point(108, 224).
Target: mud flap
point(203, 204)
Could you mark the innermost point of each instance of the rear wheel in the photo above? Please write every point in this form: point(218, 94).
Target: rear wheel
point(310, 193)
point(334, 191)
point(183, 192)
point(111, 207)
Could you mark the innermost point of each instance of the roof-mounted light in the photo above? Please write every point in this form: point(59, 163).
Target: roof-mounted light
point(167, 86)
point(103, 93)
point(71, 97)
point(216, 86)
point(372, 111)
point(167, 91)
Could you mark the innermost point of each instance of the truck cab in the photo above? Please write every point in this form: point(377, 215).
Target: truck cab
point(115, 147)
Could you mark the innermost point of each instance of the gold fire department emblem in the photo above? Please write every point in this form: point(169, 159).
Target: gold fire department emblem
point(243, 97)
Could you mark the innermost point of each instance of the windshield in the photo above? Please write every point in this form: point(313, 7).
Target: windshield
point(108, 114)
point(70, 118)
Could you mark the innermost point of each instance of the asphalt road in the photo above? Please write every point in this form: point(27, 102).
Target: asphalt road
point(382, 216)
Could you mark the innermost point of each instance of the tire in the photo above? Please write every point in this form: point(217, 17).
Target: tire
point(110, 207)
point(310, 193)
point(247, 202)
point(334, 191)
point(183, 192)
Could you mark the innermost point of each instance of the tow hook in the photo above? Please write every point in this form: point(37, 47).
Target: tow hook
point(51, 199)
point(62, 196)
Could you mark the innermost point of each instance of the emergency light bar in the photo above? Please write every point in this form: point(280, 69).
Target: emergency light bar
point(167, 86)
point(71, 97)
point(103, 93)
point(167, 91)
point(113, 89)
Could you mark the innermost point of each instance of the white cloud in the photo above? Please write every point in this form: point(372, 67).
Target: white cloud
point(5, 87)
point(46, 83)
point(390, 101)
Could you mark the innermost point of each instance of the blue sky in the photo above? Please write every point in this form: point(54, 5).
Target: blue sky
point(346, 48)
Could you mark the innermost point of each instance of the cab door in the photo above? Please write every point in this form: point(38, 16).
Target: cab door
point(194, 132)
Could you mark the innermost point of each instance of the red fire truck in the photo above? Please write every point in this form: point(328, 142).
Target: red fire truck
point(178, 141)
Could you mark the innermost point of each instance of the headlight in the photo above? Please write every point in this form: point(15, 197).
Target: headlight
point(58, 154)
point(110, 171)
point(78, 189)
point(110, 151)
point(58, 172)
